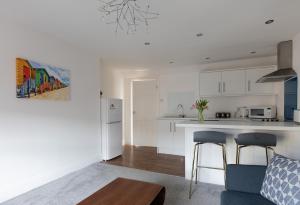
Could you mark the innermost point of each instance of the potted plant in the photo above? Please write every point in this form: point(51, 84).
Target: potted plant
point(200, 105)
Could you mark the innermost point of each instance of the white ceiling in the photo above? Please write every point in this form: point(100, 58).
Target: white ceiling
point(231, 28)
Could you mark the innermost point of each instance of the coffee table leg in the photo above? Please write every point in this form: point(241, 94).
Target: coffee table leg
point(160, 198)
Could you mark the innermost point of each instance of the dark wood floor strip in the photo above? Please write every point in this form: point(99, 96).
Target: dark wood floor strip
point(146, 158)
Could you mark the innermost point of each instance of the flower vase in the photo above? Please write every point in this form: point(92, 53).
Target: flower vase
point(200, 116)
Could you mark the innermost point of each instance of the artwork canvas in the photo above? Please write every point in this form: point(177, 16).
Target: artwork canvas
point(40, 81)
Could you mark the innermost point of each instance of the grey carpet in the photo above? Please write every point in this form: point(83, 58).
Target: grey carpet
point(75, 187)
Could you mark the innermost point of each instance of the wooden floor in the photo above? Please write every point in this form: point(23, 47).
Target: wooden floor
point(146, 158)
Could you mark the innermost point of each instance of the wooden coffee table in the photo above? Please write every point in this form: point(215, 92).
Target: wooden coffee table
point(127, 192)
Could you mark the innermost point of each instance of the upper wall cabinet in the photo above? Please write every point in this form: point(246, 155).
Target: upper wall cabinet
point(233, 83)
point(210, 84)
point(253, 88)
point(226, 83)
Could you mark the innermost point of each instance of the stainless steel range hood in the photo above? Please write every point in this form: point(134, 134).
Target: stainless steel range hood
point(285, 64)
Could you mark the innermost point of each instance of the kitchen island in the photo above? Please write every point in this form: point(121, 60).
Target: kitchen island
point(211, 155)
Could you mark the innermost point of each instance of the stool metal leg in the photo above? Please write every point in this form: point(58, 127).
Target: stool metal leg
point(192, 174)
point(267, 156)
point(224, 156)
point(196, 166)
point(197, 161)
point(224, 161)
point(237, 154)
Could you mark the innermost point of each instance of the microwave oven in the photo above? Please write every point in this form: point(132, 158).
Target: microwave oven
point(262, 112)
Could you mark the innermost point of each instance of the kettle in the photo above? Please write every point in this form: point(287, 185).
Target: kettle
point(242, 112)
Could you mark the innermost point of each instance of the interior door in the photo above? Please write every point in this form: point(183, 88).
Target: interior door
point(145, 98)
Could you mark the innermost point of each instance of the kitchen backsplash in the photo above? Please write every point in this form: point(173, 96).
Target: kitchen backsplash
point(186, 99)
point(216, 104)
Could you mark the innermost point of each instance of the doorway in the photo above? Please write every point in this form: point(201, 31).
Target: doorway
point(144, 113)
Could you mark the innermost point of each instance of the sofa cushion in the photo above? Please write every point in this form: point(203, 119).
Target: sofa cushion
point(241, 198)
point(282, 181)
point(245, 178)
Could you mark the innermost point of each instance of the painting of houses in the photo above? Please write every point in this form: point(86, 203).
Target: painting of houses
point(41, 81)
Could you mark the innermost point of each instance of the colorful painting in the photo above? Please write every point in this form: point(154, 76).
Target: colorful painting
point(40, 81)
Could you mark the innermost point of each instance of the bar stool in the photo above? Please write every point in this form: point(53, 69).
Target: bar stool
point(205, 137)
point(263, 140)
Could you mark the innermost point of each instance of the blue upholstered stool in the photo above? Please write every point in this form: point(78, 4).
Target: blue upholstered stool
point(204, 137)
point(264, 140)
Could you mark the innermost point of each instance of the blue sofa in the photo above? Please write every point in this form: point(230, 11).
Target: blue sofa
point(243, 184)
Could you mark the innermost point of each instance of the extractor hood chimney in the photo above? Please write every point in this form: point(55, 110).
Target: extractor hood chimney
point(285, 64)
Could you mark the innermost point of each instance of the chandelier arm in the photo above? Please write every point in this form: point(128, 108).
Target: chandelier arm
point(131, 13)
point(110, 4)
point(118, 23)
point(121, 11)
point(148, 12)
point(125, 16)
point(128, 13)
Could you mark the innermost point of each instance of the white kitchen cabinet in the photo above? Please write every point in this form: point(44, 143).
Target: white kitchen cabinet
point(178, 140)
point(253, 88)
point(170, 138)
point(210, 84)
point(165, 136)
point(225, 83)
point(233, 83)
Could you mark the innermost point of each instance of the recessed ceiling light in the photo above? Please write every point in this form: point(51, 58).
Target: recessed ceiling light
point(269, 21)
point(147, 43)
point(253, 52)
point(199, 34)
point(207, 58)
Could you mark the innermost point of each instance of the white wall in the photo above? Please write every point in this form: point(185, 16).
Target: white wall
point(230, 103)
point(296, 61)
point(43, 140)
point(111, 82)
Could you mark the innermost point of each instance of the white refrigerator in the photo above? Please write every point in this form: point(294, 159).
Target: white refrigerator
point(111, 120)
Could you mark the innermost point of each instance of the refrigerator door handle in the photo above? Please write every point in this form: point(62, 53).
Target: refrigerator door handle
point(114, 122)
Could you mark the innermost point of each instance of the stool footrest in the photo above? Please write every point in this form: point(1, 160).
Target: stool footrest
point(206, 167)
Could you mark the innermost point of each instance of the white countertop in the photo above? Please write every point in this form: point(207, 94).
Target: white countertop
point(241, 124)
point(177, 118)
point(196, 119)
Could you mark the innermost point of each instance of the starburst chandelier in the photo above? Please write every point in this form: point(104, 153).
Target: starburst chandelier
point(127, 15)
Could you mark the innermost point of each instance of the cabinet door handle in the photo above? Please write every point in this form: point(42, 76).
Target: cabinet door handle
point(249, 85)
point(224, 88)
point(219, 87)
point(174, 125)
point(170, 126)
